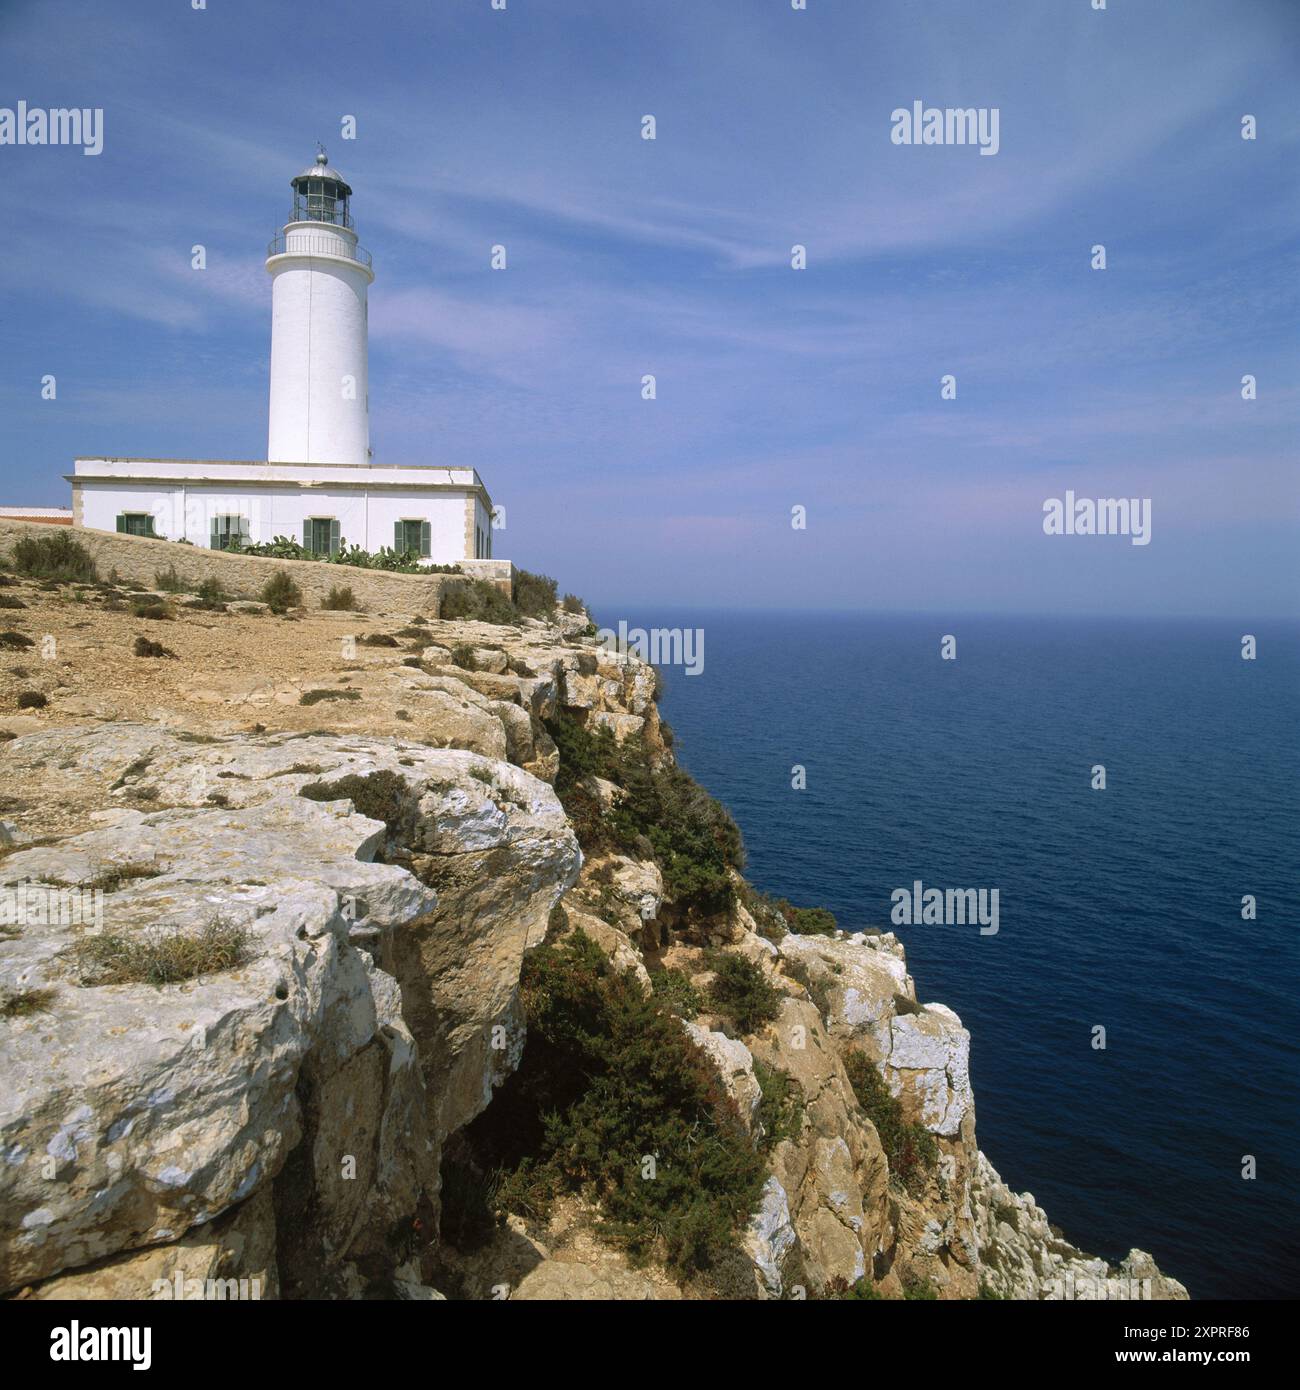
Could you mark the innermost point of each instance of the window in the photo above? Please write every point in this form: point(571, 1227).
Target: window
point(320, 535)
point(136, 523)
point(413, 536)
point(229, 532)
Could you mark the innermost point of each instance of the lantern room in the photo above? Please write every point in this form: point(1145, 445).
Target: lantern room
point(320, 194)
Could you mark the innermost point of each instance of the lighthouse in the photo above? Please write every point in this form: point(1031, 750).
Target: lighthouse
point(320, 408)
point(318, 484)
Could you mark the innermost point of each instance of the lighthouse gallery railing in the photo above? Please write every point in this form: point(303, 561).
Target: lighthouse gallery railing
point(306, 244)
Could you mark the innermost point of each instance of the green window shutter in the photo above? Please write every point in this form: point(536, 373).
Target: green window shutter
point(306, 535)
point(214, 535)
point(426, 540)
point(334, 538)
point(399, 537)
point(121, 521)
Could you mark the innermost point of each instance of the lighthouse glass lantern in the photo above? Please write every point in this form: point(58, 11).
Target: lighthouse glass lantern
point(320, 195)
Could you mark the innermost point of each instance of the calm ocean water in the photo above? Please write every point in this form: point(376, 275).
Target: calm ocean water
point(1119, 907)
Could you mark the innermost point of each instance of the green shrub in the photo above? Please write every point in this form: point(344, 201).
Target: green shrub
point(780, 916)
point(340, 599)
point(210, 591)
point(910, 1148)
point(10, 601)
point(380, 795)
point(159, 957)
point(280, 593)
point(154, 609)
point(573, 604)
point(169, 581)
point(742, 993)
point(904, 1006)
point(534, 594)
point(664, 815)
point(780, 1111)
point(144, 647)
point(917, 1289)
point(815, 983)
point(607, 1081)
point(462, 655)
point(55, 557)
point(673, 991)
point(314, 697)
point(478, 600)
point(32, 699)
point(860, 1291)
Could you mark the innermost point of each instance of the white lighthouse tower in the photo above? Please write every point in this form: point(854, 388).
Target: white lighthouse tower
point(320, 408)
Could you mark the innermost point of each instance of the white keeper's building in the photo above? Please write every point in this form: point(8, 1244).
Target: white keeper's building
point(319, 485)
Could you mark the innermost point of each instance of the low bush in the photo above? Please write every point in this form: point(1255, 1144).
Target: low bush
point(144, 647)
point(280, 593)
point(379, 639)
point(15, 641)
point(860, 1291)
point(340, 599)
point(380, 795)
point(781, 1109)
point(909, 1147)
point(665, 815)
point(10, 601)
point(478, 600)
point(462, 655)
point(54, 557)
point(314, 697)
point(153, 609)
point(169, 581)
point(742, 993)
point(32, 699)
point(674, 991)
point(613, 1100)
point(573, 604)
point(534, 594)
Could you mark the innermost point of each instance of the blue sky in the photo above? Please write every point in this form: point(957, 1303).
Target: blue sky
point(776, 387)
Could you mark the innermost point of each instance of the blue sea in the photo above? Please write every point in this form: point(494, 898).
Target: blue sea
point(1119, 908)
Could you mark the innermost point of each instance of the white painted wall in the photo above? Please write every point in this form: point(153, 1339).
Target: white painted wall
point(319, 373)
point(365, 518)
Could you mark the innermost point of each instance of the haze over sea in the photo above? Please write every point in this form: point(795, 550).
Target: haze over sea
point(1119, 908)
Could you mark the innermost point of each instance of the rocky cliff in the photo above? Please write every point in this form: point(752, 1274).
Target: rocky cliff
point(273, 964)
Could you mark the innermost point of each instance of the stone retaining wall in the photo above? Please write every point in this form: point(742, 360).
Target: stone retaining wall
point(139, 559)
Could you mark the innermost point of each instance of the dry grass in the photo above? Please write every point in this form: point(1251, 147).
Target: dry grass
point(160, 957)
point(25, 1002)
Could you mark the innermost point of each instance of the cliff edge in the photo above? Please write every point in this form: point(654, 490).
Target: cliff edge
point(353, 956)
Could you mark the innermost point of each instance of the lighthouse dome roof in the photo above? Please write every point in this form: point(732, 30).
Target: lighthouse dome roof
point(322, 169)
